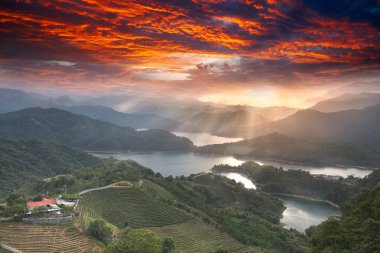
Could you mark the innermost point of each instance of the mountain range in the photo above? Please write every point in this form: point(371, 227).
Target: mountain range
point(77, 131)
point(348, 102)
point(359, 126)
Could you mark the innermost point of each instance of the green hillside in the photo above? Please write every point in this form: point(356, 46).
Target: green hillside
point(356, 231)
point(23, 162)
point(284, 148)
point(54, 125)
point(197, 236)
point(124, 205)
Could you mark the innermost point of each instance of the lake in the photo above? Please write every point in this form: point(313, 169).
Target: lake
point(239, 178)
point(186, 163)
point(327, 170)
point(301, 213)
point(174, 163)
point(201, 139)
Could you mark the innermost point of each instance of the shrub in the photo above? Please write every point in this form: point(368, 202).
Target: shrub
point(99, 230)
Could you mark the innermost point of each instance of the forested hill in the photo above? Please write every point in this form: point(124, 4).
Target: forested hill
point(284, 148)
point(24, 161)
point(59, 126)
point(356, 231)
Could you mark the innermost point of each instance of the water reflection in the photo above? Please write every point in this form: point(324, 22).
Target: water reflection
point(302, 213)
point(240, 179)
point(201, 139)
point(328, 170)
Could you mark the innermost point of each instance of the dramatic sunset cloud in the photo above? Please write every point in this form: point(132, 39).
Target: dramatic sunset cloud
point(211, 49)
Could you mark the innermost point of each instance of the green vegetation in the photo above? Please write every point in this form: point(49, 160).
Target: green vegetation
point(14, 208)
point(297, 182)
point(121, 205)
point(167, 245)
point(196, 212)
point(197, 236)
point(251, 217)
point(301, 151)
point(71, 196)
point(2, 250)
point(201, 213)
point(23, 162)
point(357, 230)
point(135, 241)
point(54, 125)
point(99, 230)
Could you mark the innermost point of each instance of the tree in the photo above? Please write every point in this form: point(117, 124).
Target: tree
point(99, 230)
point(356, 231)
point(135, 241)
point(167, 245)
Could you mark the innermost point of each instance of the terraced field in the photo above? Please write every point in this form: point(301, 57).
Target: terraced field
point(120, 205)
point(44, 238)
point(196, 236)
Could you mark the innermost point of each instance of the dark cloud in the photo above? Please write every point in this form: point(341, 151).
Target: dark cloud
point(355, 11)
point(241, 41)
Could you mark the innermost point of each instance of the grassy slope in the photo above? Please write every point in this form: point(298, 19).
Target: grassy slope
point(197, 236)
point(119, 205)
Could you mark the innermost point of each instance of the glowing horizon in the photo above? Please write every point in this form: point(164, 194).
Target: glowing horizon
point(255, 52)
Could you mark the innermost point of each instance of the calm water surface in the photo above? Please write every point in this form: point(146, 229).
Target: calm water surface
point(328, 170)
point(174, 163)
point(239, 178)
point(302, 213)
point(201, 139)
point(186, 163)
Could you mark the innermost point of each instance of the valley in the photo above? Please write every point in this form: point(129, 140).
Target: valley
point(201, 191)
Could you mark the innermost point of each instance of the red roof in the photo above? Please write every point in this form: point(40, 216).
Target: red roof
point(43, 202)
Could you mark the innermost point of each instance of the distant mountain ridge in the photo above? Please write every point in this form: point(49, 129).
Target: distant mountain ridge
point(348, 102)
point(77, 131)
point(134, 120)
point(358, 126)
point(280, 147)
point(14, 100)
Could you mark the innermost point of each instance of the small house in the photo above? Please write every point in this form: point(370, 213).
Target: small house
point(45, 205)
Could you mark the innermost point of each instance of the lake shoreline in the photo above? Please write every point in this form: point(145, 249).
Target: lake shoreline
point(249, 158)
point(306, 197)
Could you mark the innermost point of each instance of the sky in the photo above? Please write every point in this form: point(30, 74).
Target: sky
point(257, 52)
